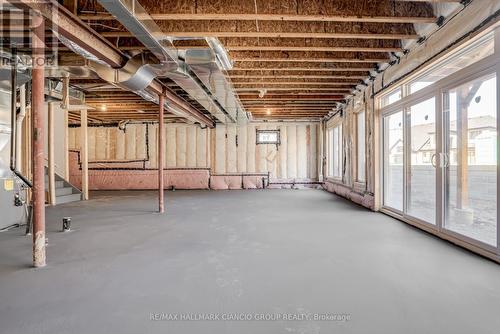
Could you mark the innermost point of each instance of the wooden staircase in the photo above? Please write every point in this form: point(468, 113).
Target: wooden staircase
point(65, 191)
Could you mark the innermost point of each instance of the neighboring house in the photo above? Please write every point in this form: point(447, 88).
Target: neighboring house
point(482, 145)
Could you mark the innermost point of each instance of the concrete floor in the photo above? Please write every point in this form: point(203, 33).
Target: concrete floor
point(249, 252)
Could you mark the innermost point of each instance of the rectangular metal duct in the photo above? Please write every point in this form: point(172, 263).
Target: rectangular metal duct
point(199, 74)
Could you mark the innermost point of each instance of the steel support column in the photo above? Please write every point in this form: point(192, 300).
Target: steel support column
point(38, 107)
point(161, 154)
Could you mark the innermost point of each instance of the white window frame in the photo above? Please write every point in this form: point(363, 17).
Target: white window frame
point(264, 142)
point(335, 163)
point(476, 70)
point(329, 152)
point(359, 184)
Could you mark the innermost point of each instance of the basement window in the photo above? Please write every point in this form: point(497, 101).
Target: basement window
point(463, 57)
point(334, 152)
point(392, 97)
point(268, 137)
point(360, 146)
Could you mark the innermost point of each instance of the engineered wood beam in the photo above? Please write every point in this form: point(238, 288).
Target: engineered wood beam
point(257, 89)
point(428, 1)
point(312, 48)
point(285, 83)
point(202, 34)
point(291, 68)
point(294, 115)
point(295, 77)
point(265, 110)
point(285, 97)
point(312, 60)
point(278, 105)
point(275, 17)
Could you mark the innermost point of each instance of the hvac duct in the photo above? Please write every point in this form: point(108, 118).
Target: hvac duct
point(209, 66)
point(100, 53)
point(199, 74)
point(138, 76)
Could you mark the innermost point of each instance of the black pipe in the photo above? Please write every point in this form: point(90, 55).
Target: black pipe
point(13, 128)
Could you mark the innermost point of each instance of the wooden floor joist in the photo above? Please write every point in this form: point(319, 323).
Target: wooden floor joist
point(303, 76)
point(252, 89)
point(273, 17)
point(312, 48)
point(292, 68)
point(203, 34)
point(318, 97)
point(309, 55)
point(314, 60)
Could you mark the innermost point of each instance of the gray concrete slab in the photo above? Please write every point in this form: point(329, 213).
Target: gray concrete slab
point(241, 252)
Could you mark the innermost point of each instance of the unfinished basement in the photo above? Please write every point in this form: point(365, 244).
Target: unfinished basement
point(252, 166)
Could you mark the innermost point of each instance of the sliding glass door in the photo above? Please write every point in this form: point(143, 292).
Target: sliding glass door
point(409, 146)
point(440, 146)
point(471, 159)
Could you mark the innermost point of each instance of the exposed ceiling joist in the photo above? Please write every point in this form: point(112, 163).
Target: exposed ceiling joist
point(274, 17)
point(312, 48)
point(428, 0)
point(301, 58)
point(287, 83)
point(313, 60)
point(291, 89)
point(303, 76)
point(202, 34)
point(292, 98)
point(292, 68)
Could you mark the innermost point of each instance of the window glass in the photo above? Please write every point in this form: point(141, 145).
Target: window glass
point(476, 51)
point(268, 137)
point(329, 143)
point(393, 160)
point(391, 97)
point(421, 179)
point(334, 151)
point(337, 151)
point(471, 148)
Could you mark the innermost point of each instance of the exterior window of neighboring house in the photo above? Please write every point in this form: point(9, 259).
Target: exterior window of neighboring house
point(474, 134)
point(472, 157)
point(426, 157)
point(360, 140)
